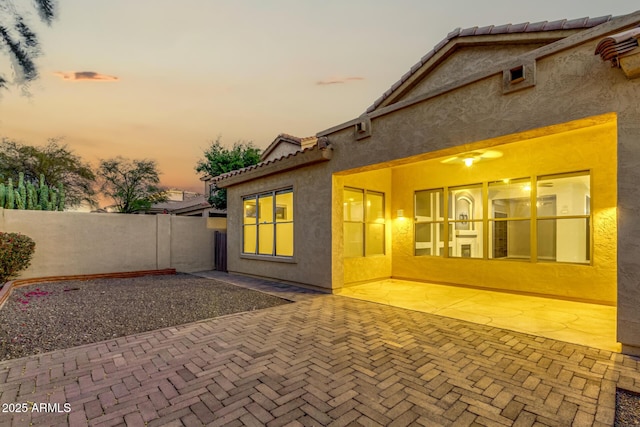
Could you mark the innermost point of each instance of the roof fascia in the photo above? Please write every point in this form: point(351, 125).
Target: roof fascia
point(616, 24)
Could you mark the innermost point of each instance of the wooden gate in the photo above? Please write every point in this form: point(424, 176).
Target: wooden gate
point(220, 251)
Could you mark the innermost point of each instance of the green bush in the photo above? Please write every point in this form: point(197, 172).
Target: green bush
point(16, 251)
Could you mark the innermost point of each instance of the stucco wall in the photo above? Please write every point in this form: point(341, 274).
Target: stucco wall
point(467, 60)
point(191, 244)
point(628, 223)
point(69, 243)
point(310, 264)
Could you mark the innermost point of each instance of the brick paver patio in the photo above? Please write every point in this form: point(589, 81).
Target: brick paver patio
point(326, 360)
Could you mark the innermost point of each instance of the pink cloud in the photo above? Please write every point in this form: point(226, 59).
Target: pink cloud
point(86, 76)
point(338, 80)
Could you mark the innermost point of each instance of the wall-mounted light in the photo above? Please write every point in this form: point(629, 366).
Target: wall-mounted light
point(468, 161)
point(400, 213)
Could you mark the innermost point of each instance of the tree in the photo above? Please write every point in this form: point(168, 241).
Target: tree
point(58, 164)
point(132, 184)
point(18, 40)
point(219, 160)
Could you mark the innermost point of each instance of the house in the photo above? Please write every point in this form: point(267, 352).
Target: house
point(188, 203)
point(193, 206)
point(506, 158)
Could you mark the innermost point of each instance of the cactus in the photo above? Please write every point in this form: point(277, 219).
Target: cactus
point(44, 194)
point(9, 201)
point(54, 201)
point(63, 197)
point(18, 200)
point(30, 196)
point(21, 193)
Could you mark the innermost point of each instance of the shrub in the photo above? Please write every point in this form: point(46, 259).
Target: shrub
point(16, 251)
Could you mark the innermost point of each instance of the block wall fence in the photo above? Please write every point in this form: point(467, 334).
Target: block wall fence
point(75, 243)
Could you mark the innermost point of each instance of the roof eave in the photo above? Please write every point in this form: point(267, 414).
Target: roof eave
point(300, 159)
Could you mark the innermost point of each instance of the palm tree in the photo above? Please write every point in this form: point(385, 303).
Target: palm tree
point(18, 40)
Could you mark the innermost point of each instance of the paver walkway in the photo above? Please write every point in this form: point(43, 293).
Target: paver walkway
point(326, 360)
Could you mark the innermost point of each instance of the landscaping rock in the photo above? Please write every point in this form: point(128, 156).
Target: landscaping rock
point(51, 316)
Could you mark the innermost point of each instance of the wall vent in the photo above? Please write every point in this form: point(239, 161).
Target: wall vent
point(362, 128)
point(519, 77)
point(516, 75)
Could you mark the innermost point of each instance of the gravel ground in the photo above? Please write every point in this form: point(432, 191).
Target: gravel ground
point(52, 316)
point(627, 408)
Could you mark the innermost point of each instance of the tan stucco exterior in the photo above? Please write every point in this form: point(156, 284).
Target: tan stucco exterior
point(312, 225)
point(573, 113)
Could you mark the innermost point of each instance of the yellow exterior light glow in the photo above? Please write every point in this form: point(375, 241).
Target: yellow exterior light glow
point(468, 161)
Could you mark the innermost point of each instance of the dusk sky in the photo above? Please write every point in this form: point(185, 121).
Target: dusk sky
point(160, 79)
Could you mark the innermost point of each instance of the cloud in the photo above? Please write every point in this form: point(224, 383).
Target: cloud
point(337, 80)
point(86, 75)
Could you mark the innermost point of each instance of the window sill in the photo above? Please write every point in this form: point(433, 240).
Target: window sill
point(286, 260)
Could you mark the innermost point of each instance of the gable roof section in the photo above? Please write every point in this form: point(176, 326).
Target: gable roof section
point(525, 32)
point(321, 151)
point(293, 144)
point(608, 26)
point(282, 138)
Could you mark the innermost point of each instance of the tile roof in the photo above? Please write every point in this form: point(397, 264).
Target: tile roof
point(280, 138)
point(525, 27)
point(618, 45)
point(320, 145)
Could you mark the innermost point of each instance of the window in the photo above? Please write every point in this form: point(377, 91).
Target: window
point(510, 219)
point(563, 217)
point(364, 223)
point(466, 221)
point(268, 224)
point(544, 219)
point(429, 226)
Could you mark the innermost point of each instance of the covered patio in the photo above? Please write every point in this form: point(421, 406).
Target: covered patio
point(592, 325)
point(517, 232)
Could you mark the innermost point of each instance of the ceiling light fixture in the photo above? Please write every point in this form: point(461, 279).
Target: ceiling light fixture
point(472, 157)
